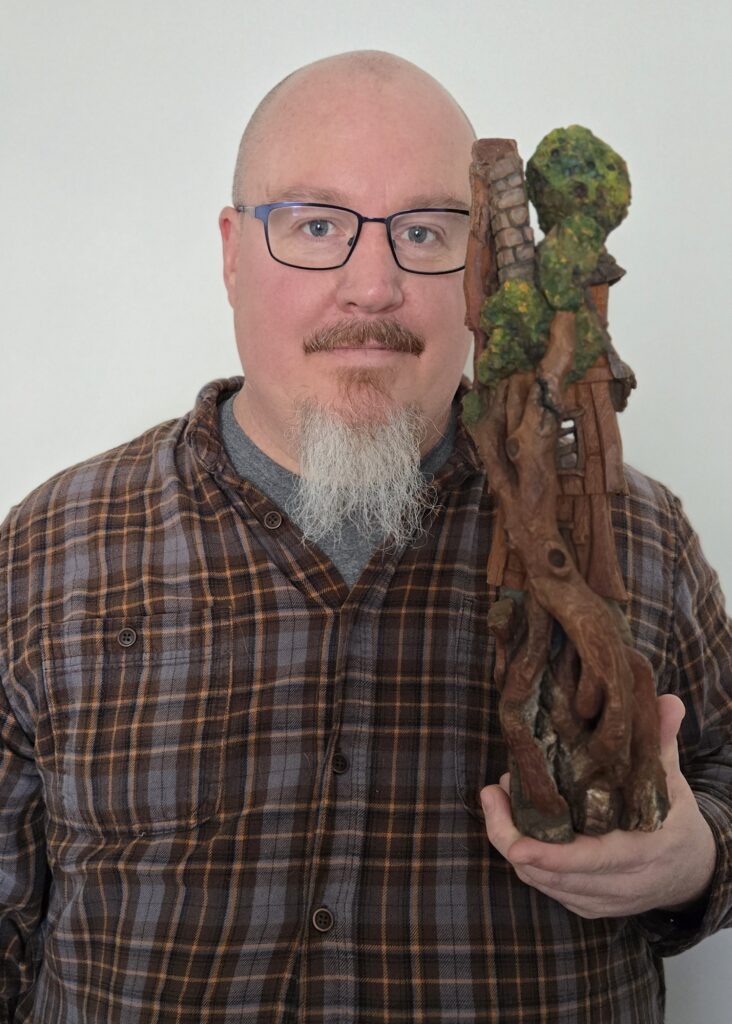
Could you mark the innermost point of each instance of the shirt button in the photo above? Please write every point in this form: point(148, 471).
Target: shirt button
point(126, 637)
point(339, 764)
point(323, 919)
point(272, 520)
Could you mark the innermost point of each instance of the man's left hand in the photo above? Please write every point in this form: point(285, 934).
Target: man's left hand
point(619, 873)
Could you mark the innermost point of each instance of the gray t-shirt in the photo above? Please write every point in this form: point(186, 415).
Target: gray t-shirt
point(352, 550)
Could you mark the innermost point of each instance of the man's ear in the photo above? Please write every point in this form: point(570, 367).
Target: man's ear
point(230, 228)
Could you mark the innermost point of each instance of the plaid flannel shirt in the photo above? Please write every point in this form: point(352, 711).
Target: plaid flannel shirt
point(232, 790)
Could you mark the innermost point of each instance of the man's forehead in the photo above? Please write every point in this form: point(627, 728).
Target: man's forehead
point(345, 139)
point(416, 165)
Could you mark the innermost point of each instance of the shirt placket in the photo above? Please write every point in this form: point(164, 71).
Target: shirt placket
point(329, 968)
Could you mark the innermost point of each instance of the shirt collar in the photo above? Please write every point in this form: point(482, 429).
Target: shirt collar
point(203, 436)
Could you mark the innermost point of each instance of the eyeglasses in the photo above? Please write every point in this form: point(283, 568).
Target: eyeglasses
point(315, 236)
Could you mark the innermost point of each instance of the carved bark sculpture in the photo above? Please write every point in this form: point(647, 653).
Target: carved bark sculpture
point(577, 707)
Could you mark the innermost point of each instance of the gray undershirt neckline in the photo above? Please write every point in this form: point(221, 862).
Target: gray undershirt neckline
point(352, 551)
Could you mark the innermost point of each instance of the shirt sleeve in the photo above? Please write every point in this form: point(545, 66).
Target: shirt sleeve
point(23, 867)
point(700, 673)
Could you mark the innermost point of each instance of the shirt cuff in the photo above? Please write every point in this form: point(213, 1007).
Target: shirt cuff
point(673, 932)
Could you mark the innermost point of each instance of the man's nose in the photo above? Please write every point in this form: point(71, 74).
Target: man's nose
point(370, 280)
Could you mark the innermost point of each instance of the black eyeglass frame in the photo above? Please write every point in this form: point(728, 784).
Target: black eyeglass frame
point(263, 210)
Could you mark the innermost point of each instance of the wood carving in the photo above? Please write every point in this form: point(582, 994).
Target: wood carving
point(577, 700)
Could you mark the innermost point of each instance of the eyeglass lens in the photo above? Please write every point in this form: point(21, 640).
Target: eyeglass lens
point(315, 237)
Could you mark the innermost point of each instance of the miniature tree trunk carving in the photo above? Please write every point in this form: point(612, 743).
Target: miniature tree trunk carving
point(577, 707)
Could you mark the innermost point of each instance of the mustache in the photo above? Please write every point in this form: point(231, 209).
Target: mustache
point(389, 334)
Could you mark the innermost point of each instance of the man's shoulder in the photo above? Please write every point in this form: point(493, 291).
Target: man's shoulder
point(116, 475)
point(644, 492)
point(647, 517)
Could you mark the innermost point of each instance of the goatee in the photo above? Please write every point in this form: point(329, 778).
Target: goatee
point(361, 471)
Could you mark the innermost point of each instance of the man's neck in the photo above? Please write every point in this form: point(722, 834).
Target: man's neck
point(263, 431)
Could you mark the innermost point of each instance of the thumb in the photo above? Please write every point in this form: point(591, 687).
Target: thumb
point(671, 713)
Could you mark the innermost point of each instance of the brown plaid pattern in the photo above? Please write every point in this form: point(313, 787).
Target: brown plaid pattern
point(206, 738)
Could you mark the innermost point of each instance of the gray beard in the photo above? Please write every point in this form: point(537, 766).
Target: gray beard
point(363, 473)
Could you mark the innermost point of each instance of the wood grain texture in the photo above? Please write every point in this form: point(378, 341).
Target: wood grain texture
point(577, 702)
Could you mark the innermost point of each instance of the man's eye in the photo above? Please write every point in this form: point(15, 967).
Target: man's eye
point(318, 228)
point(418, 234)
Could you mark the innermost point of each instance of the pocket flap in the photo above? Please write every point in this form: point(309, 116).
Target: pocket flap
point(138, 708)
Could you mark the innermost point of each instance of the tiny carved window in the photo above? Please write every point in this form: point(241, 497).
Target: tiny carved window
point(568, 453)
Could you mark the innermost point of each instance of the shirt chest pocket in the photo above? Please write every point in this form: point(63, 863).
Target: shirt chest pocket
point(138, 710)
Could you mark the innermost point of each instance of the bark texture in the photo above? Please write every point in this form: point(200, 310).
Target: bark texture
point(577, 708)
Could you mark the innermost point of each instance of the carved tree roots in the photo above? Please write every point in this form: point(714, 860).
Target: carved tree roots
point(578, 707)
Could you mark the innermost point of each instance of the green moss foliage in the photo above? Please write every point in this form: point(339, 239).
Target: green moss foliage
point(474, 407)
point(572, 171)
point(581, 190)
point(566, 258)
point(516, 320)
point(589, 343)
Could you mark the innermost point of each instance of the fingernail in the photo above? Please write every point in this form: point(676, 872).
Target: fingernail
point(487, 805)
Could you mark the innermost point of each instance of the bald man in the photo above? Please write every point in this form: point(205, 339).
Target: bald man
point(249, 747)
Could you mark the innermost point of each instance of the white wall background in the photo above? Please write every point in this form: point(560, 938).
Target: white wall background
point(120, 123)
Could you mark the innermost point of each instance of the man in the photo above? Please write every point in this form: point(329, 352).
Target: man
point(246, 716)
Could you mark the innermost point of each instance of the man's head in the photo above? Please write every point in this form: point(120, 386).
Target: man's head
point(366, 340)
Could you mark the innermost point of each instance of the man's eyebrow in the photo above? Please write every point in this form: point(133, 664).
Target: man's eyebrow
point(422, 200)
point(431, 201)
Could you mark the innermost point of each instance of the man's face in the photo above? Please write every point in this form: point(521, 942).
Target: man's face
point(376, 147)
